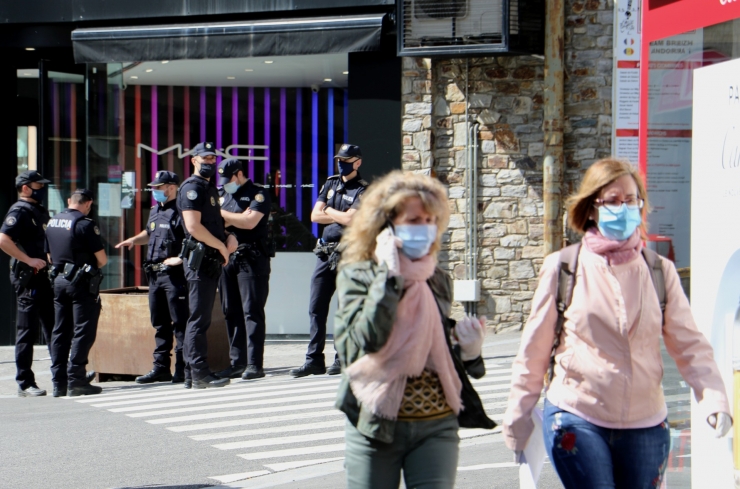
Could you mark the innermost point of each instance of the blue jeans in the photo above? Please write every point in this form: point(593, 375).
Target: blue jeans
point(588, 456)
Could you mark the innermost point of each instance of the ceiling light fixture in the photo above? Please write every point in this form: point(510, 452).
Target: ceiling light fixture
point(149, 70)
point(30, 49)
point(231, 78)
point(327, 79)
point(248, 69)
point(345, 72)
point(165, 62)
point(134, 77)
point(26, 74)
point(269, 62)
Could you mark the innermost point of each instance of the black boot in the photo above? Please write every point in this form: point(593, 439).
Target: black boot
point(253, 372)
point(210, 381)
point(308, 369)
point(233, 372)
point(84, 390)
point(335, 368)
point(156, 375)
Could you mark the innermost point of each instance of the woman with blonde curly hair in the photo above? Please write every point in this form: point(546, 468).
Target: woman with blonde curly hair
point(405, 387)
point(605, 414)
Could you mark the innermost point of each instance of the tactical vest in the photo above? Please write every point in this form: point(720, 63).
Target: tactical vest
point(64, 244)
point(161, 230)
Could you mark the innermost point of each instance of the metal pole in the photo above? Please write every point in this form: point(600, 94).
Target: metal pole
point(553, 125)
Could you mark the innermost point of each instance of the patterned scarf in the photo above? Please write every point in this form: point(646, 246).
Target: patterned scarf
point(616, 252)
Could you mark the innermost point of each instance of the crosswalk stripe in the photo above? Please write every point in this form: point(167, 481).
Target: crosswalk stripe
point(266, 431)
point(251, 421)
point(233, 396)
point(241, 412)
point(226, 479)
point(129, 391)
point(290, 452)
point(280, 440)
point(315, 397)
point(301, 463)
point(211, 393)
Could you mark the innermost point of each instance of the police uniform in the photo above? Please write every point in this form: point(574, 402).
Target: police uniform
point(168, 290)
point(73, 241)
point(198, 194)
point(25, 223)
point(341, 196)
point(245, 282)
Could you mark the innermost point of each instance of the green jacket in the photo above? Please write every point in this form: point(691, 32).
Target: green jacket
point(368, 299)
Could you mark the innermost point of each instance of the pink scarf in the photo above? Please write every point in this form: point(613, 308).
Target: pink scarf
point(616, 252)
point(417, 341)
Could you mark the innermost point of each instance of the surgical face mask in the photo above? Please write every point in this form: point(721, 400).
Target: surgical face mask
point(417, 239)
point(207, 170)
point(231, 187)
point(346, 168)
point(159, 195)
point(39, 194)
point(619, 224)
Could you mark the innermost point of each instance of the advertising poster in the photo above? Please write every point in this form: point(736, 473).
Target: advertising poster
point(715, 255)
point(626, 107)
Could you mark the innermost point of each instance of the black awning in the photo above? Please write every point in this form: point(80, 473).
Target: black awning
point(228, 39)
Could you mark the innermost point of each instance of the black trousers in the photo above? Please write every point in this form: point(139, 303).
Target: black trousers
point(168, 307)
point(323, 285)
point(201, 296)
point(35, 308)
point(76, 313)
point(244, 287)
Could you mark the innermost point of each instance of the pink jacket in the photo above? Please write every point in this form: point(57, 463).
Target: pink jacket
point(608, 368)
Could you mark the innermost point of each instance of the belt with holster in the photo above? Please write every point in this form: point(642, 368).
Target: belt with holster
point(201, 258)
point(328, 251)
point(86, 275)
point(150, 267)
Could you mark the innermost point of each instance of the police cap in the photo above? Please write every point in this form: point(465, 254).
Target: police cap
point(228, 168)
point(204, 149)
point(349, 152)
point(165, 177)
point(28, 177)
point(83, 191)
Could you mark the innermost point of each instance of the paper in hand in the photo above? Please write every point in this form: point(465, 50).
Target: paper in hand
point(534, 454)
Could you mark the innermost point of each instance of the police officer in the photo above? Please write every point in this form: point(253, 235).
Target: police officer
point(205, 251)
point(23, 238)
point(168, 290)
point(77, 255)
point(338, 200)
point(245, 282)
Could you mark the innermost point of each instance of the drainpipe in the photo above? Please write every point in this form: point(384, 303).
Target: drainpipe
point(553, 124)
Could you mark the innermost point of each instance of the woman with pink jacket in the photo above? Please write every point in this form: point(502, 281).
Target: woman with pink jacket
point(605, 420)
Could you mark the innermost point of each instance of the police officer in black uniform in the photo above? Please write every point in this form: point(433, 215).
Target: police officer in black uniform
point(168, 290)
point(77, 255)
point(338, 200)
point(245, 282)
point(205, 250)
point(23, 238)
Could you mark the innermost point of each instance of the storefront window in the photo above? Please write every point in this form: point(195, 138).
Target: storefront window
point(284, 117)
point(672, 61)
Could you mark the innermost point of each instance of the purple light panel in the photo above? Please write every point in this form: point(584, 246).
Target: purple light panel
point(298, 153)
point(330, 132)
point(251, 131)
point(283, 172)
point(267, 131)
point(219, 121)
point(314, 154)
point(235, 117)
point(202, 114)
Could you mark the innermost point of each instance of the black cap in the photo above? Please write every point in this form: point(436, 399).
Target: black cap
point(204, 149)
point(228, 168)
point(349, 151)
point(164, 177)
point(83, 191)
point(29, 176)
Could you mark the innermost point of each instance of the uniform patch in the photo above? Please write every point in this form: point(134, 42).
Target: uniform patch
point(345, 147)
point(191, 195)
point(152, 226)
point(259, 198)
point(10, 221)
point(220, 171)
point(213, 201)
point(330, 194)
point(97, 230)
point(221, 201)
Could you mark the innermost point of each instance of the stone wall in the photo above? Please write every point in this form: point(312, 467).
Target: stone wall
point(505, 96)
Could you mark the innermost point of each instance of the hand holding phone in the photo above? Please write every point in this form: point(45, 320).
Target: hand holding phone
point(386, 250)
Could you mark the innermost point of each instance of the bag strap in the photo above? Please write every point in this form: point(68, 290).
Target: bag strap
point(654, 262)
point(566, 284)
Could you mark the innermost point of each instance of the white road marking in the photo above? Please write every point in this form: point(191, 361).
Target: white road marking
point(301, 463)
point(290, 452)
point(251, 421)
point(280, 440)
point(265, 431)
point(225, 479)
point(488, 466)
point(241, 412)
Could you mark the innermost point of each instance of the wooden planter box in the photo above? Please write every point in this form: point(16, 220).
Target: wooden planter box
point(124, 344)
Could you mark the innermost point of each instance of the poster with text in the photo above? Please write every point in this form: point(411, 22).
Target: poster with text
point(626, 107)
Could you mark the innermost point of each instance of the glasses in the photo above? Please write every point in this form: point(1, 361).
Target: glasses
point(615, 205)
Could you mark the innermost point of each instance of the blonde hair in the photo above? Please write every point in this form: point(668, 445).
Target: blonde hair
point(598, 176)
point(383, 201)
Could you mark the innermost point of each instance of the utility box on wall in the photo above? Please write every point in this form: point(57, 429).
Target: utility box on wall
point(470, 27)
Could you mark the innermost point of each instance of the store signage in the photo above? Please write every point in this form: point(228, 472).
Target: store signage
point(223, 152)
point(715, 256)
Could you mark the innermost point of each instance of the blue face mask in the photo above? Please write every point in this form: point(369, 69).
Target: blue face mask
point(417, 239)
point(231, 187)
point(619, 225)
point(346, 168)
point(159, 195)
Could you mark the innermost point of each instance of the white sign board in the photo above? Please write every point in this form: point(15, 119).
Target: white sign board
point(715, 250)
point(626, 106)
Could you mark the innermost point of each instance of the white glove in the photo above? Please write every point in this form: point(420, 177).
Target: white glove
point(386, 251)
point(519, 457)
point(469, 333)
point(721, 422)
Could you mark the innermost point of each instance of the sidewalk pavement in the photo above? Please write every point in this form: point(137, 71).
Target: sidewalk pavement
point(281, 355)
